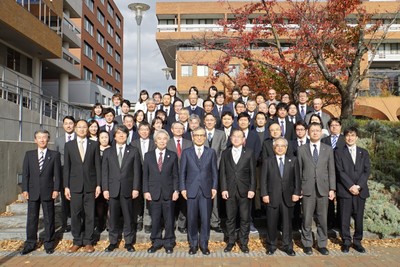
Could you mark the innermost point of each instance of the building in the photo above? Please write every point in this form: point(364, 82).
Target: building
point(179, 23)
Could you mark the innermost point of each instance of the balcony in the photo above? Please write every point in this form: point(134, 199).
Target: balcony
point(385, 56)
point(71, 33)
point(74, 7)
point(67, 64)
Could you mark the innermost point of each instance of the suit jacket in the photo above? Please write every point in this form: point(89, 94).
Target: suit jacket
point(322, 173)
point(111, 132)
point(160, 185)
point(137, 143)
point(198, 174)
point(253, 142)
point(82, 176)
point(121, 180)
point(184, 144)
point(349, 174)
point(59, 145)
point(308, 109)
point(198, 111)
point(268, 149)
point(231, 107)
point(324, 117)
point(339, 144)
point(218, 143)
point(295, 145)
point(225, 108)
point(41, 184)
point(279, 187)
point(289, 129)
point(238, 177)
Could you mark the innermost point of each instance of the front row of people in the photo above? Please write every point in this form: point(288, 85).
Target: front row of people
point(284, 181)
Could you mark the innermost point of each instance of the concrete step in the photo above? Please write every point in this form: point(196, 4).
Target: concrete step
point(20, 209)
point(16, 221)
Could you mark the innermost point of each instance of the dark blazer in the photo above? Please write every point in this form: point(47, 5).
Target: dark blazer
point(160, 185)
point(225, 108)
point(198, 111)
point(238, 177)
point(339, 144)
point(253, 143)
point(218, 143)
point(78, 175)
point(184, 144)
point(111, 132)
point(137, 143)
point(324, 117)
point(349, 174)
point(277, 187)
point(198, 173)
point(268, 149)
point(41, 184)
point(230, 107)
point(125, 179)
point(308, 109)
point(289, 129)
point(295, 145)
point(60, 144)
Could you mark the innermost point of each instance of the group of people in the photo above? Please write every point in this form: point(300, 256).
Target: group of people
point(177, 164)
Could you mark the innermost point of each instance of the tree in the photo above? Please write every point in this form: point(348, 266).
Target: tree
point(316, 44)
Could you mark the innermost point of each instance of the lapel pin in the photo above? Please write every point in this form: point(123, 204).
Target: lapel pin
point(290, 160)
point(167, 156)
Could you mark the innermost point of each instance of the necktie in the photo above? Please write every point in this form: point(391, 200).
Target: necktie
point(117, 110)
point(209, 137)
point(236, 155)
point(199, 152)
point(281, 166)
point(220, 111)
point(166, 111)
point(302, 112)
point(353, 154)
point(301, 142)
point(120, 156)
point(150, 117)
point(128, 140)
point(293, 120)
point(81, 149)
point(159, 162)
point(108, 128)
point(282, 129)
point(69, 138)
point(315, 154)
point(144, 147)
point(334, 141)
point(178, 148)
point(41, 160)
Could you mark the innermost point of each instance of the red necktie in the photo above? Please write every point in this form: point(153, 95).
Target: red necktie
point(178, 148)
point(159, 162)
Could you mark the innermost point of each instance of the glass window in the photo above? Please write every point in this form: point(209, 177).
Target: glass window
point(100, 17)
point(110, 10)
point(99, 81)
point(109, 49)
point(88, 50)
point(88, 26)
point(117, 39)
point(117, 76)
point(100, 61)
point(87, 74)
point(186, 70)
point(118, 21)
point(117, 57)
point(202, 71)
point(100, 39)
point(109, 86)
point(89, 4)
point(110, 29)
point(110, 69)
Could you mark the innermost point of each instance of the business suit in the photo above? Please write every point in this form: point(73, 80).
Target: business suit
point(289, 133)
point(180, 205)
point(66, 205)
point(198, 177)
point(120, 182)
point(40, 185)
point(350, 174)
point(307, 109)
point(110, 131)
point(238, 179)
point(339, 144)
point(317, 179)
point(324, 118)
point(268, 150)
point(280, 190)
point(82, 178)
point(161, 185)
point(197, 110)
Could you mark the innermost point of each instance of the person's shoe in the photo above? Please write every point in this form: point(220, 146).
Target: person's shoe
point(205, 251)
point(229, 247)
point(147, 229)
point(290, 252)
point(49, 251)
point(323, 251)
point(192, 250)
point(153, 249)
point(73, 249)
point(271, 251)
point(182, 230)
point(244, 248)
point(359, 248)
point(139, 227)
point(345, 248)
point(129, 248)
point(217, 229)
point(67, 229)
point(253, 230)
point(26, 251)
point(307, 250)
point(110, 248)
point(89, 249)
point(169, 250)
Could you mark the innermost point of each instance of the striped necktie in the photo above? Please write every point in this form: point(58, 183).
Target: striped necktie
point(41, 160)
point(334, 141)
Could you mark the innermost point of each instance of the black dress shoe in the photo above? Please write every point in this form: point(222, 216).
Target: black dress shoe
point(182, 230)
point(359, 248)
point(307, 250)
point(153, 249)
point(110, 247)
point(67, 229)
point(169, 250)
point(244, 248)
point(217, 229)
point(323, 251)
point(271, 251)
point(147, 229)
point(50, 251)
point(229, 247)
point(26, 251)
point(345, 248)
point(205, 251)
point(130, 248)
point(192, 250)
point(290, 252)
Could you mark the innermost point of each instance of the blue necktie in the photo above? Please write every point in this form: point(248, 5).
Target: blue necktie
point(334, 141)
point(302, 113)
point(281, 166)
point(315, 154)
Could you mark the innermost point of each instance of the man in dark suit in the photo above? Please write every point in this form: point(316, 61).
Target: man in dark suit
point(238, 184)
point(267, 148)
point(121, 183)
point(317, 104)
point(219, 107)
point(177, 105)
point(82, 180)
point(151, 110)
point(231, 105)
point(198, 183)
point(252, 140)
point(244, 93)
point(167, 107)
point(69, 135)
point(160, 188)
point(280, 189)
point(287, 128)
point(208, 106)
point(177, 144)
point(109, 116)
point(317, 174)
point(353, 167)
point(302, 105)
point(40, 185)
point(193, 108)
point(125, 108)
point(143, 144)
point(129, 123)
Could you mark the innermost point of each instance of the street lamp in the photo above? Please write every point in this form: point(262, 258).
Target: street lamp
point(139, 9)
point(167, 72)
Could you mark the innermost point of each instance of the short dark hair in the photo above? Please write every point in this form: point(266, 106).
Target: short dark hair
point(209, 114)
point(220, 94)
point(121, 128)
point(260, 94)
point(43, 132)
point(144, 124)
point(194, 88)
point(156, 93)
point(334, 119)
point(177, 100)
point(243, 115)
point(69, 118)
point(240, 102)
point(315, 124)
point(237, 130)
point(227, 113)
point(316, 115)
point(208, 100)
point(261, 113)
point(126, 102)
point(109, 110)
point(171, 87)
point(300, 122)
point(350, 129)
point(282, 106)
point(129, 116)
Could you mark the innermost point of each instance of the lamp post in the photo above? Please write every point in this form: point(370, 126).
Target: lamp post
point(139, 9)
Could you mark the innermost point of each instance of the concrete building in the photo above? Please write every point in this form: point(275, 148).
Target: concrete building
point(180, 23)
